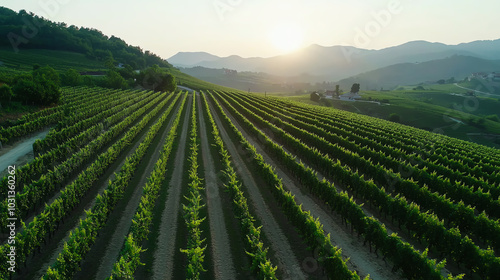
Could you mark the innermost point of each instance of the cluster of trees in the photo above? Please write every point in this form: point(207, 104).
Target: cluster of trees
point(45, 34)
point(40, 87)
point(152, 78)
point(448, 81)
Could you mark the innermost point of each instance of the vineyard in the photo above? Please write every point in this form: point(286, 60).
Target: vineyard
point(227, 185)
point(61, 60)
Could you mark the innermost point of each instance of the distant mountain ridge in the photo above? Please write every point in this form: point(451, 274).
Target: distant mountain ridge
point(340, 62)
point(187, 59)
point(457, 66)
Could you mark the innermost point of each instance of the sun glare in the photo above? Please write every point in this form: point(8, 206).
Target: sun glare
point(286, 37)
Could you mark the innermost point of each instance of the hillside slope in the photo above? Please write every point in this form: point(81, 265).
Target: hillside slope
point(458, 67)
point(59, 36)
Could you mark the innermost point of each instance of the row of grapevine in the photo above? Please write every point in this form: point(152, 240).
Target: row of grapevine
point(33, 235)
point(95, 106)
point(381, 140)
point(129, 258)
point(309, 227)
point(102, 110)
point(75, 94)
point(39, 191)
point(9, 134)
point(261, 264)
point(370, 148)
point(425, 226)
point(59, 153)
point(192, 217)
point(37, 121)
point(429, 144)
point(83, 237)
point(427, 139)
point(457, 214)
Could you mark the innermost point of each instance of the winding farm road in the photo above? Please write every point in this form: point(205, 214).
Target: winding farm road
point(482, 92)
point(11, 155)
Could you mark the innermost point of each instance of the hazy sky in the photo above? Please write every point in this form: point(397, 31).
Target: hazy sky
point(271, 27)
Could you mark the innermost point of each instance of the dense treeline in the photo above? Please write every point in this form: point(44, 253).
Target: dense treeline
point(40, 87)
point(28, 31)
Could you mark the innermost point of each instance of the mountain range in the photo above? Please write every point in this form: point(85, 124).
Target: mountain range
point(409, 62)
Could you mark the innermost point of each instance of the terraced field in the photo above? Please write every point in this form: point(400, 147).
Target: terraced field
point(225, 185)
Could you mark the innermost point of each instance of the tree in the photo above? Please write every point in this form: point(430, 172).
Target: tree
point(48, 73)
point(127, 72)
point(47, 83)
point(39, 88)
point(5, 94)
point(156, 79)
point(25, 91)
point(441, 81)
point(355, 88)
point(337, 90)
point(169, 83)
point(115, 80)
point(315, 97)
point(394, 118)
point(87, 80)
point(71, 78)
point(109, 62)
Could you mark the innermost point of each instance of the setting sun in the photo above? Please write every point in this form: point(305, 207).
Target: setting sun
point(286, 37)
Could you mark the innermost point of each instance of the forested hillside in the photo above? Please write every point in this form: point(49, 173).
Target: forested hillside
point(25, 30)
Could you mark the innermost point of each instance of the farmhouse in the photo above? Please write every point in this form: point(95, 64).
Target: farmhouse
point(350, 96)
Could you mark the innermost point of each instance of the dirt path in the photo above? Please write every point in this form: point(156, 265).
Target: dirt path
point(223, 262)
point(288, 263)
point(11, 154)
point(163, 265)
